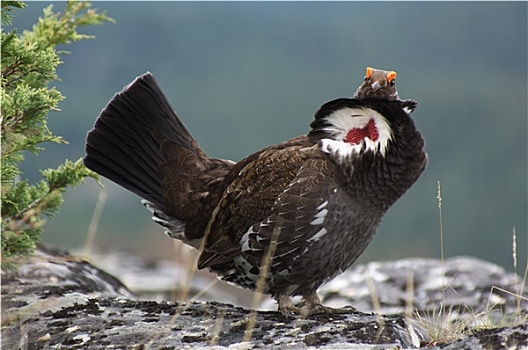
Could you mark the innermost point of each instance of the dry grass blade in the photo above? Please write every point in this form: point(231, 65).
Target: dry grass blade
point(410, 294)
point(263, 273)
point(441, 325)
point(374, 296)
point(94, 224)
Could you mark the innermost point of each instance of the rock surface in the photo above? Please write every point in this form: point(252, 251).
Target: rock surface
point(55, 301)
point(466, 286)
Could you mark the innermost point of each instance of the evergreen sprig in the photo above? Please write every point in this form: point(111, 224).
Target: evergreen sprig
point(29, 63)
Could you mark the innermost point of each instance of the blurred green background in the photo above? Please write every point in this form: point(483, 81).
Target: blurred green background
point(246, 75)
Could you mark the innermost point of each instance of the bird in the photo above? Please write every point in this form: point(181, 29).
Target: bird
point(284, 220)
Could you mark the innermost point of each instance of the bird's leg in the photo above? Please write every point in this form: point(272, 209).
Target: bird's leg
point(311, 300)
point(312, 306)
point(286, 307)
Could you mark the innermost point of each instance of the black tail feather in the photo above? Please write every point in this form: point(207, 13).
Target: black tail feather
point(122, 145)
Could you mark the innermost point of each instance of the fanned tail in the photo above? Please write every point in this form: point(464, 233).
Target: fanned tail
point(125, 144)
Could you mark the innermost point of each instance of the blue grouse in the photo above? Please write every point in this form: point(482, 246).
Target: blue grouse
point(287, 218)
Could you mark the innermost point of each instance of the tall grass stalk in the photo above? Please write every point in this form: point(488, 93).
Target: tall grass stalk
point(94, 224)
point(444, 324)
point(439, 198)
point(261, 280)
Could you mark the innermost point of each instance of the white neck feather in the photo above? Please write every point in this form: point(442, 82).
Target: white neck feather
point(346, 119)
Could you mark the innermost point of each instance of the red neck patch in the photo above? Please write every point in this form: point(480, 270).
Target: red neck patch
point(355, 136)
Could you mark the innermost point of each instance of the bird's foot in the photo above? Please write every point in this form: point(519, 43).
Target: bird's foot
point(311, 305)
point(327, 310)
point(286, 307)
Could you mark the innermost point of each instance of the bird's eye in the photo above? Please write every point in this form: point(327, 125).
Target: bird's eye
point(391, 78)
point(369, 73)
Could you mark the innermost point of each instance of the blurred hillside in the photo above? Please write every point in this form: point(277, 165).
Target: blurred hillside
point(246, 75)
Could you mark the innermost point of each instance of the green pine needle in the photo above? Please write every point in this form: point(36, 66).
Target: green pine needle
point(29, 63)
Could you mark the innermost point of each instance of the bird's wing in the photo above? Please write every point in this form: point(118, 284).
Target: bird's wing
point(284, 193)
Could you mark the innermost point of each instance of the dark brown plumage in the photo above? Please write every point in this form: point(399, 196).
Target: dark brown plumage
point(293, 215)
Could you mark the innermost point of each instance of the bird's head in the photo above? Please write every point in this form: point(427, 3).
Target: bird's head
point(366, 122)
point(378, 85)
point(372, 139)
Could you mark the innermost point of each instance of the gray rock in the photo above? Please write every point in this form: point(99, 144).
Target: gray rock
point(103, 322)
point(55, 300)
point(54, 279)
point(463, 285)
point(460, 285)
